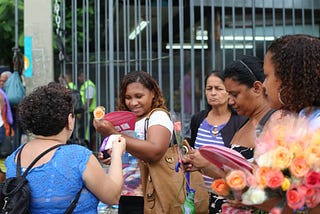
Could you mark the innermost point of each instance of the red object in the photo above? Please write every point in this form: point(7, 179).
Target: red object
point(122, 120)
point(222, 156)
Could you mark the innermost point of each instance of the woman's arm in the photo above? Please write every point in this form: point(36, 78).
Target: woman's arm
point(150, 150)
point(106, 187)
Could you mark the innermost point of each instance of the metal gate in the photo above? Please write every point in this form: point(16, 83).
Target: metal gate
point(168, 38)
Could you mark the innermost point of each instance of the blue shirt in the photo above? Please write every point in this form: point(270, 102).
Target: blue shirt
point(55, 184)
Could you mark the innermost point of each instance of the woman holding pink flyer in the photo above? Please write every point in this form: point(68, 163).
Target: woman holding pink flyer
point(139, 94)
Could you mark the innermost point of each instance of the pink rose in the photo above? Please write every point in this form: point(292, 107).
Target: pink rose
point(276, 210)
point(312, 197)
point(295, 199)
point(177, 126)
point(313, 179)
point(274, 178)
point(251, 180)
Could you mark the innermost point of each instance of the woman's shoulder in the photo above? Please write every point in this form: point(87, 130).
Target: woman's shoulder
point(75, 148)
point(200, 115)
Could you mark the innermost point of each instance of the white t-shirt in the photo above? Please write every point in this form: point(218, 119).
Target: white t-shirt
point(156, 118)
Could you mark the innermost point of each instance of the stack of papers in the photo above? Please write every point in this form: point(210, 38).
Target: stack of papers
point(224, 157)
point(122, 120)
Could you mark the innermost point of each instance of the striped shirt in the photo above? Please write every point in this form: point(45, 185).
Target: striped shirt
point(206, 136)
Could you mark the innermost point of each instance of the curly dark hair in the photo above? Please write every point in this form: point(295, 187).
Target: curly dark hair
point(296, 60)
point(45, 111)
point(246, 70)
point(147, 81)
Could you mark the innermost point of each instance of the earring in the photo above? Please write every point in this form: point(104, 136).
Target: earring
point(279, 96)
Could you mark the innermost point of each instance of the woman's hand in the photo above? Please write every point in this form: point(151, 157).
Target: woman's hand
point(186, 164)
point(119, 146)
point(103, 160)
point(197, 160)
point(104, 127)
point(193, 161)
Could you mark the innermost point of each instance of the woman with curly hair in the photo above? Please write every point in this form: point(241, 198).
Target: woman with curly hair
point(140, 94)
point(292, 82)
point(57, 177)
point(292, 71)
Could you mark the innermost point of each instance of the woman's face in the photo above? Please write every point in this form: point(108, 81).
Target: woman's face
point(216, 93)
point(138, 99)
point(241, 97)
point(271, 83)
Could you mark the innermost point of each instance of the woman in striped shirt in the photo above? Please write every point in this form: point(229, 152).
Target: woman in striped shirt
point(214, 126)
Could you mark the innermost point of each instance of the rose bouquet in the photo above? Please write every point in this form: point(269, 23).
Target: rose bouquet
point(287, 157)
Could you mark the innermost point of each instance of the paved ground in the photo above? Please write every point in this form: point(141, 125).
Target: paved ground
point(109, 211)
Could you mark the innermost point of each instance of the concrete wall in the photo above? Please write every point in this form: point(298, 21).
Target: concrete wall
point(38, 25)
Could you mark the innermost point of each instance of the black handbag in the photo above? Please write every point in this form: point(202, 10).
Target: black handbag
point(6, 147)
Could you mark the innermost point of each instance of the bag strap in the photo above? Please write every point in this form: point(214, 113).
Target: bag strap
point(73, 203)
point(18, 169)
point(266, 117)
point(264, 120)
point(146, 122)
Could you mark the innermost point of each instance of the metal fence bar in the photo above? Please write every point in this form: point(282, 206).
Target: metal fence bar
point(111, 58)
point(213, 37)
point(181, 40)
point(223, 36)
point(171, 61)
point(159, 42)
point(191, 65)
point(283, 17)
point(244, 27)
point(264, 27)
point(233, 31)
point(293, 18)
point(254, 28)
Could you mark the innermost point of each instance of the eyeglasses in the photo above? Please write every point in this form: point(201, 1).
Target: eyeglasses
point(251, 72)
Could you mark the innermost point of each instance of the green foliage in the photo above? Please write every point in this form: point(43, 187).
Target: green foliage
point(67, 32)
point(7, 29)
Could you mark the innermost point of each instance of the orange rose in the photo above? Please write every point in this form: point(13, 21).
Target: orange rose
point(99, 112)
point(236, 179)
point(220, 187)
point(299, 167)
point(260, 174)
point(274, 178)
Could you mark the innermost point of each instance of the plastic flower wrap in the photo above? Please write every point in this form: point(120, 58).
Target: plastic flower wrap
point(287, 158)
point(177, 128)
